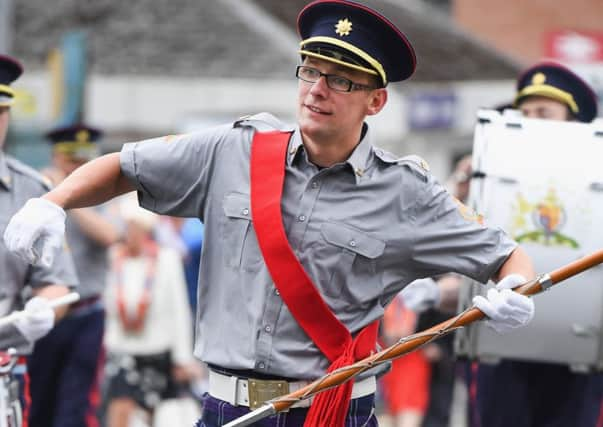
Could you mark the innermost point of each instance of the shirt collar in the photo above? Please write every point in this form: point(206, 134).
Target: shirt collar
point(295, 143)
point(358, 160)
point(5, 178)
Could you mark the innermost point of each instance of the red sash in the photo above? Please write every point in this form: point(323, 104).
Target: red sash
point(268, 155)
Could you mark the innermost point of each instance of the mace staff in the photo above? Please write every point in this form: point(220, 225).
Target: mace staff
point(412, 342)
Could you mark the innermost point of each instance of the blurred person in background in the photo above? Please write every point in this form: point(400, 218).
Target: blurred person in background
point(185, 236)
point(191, 233)
point(66, 364)
point(538, 394)
point(512, 392)
point(458, 182)
point(434, 300)
point(406, 386)
point(339, 212)
point(168, 233)
point(18, 279)
point(148, 337)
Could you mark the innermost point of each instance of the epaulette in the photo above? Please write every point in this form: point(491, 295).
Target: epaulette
point(413, 162)
point(417, 164)
point(22, 169)
point(263, 122)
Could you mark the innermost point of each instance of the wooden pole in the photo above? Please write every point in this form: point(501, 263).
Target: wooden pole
point(412, 342)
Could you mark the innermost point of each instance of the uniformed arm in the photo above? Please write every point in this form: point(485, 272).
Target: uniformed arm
point(506, 309)
point(91, 184)
point(453, 235)
point(36, 232)
point(171, 175)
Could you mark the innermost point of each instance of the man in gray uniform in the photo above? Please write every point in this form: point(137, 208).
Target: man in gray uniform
point(17, 184)
point(65, 364)
point(358, 225)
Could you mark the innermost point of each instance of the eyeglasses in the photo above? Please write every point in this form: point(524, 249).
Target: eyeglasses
point(335, 82)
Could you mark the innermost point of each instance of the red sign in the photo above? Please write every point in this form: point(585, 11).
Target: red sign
point(575, 46)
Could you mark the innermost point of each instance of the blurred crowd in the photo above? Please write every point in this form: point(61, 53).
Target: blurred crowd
point(150, 376)
point(148, 267)
point(419, 389)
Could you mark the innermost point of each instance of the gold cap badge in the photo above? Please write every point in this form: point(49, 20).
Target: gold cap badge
point(82, 136)
point(538, 79)
point(343, 27)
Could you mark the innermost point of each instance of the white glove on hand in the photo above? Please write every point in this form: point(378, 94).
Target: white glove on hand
point(505, 308)
point(38, 321)
point(421, 295)
point(35, 233)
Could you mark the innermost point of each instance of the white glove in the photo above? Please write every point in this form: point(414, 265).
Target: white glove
point(421, 295)
point(505, 308)
point(38, 321)
point(35, 233)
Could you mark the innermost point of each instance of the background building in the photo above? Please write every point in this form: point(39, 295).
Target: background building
point(158, 67)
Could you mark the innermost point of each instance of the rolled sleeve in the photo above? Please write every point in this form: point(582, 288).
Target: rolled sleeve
point(172, 173)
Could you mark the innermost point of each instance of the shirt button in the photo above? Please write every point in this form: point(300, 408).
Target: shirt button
point(315, 184)
point(267, 328)
point(245, 211)
point(276, 291)
point(301, 218)
point(261, 365)
point(353, 243)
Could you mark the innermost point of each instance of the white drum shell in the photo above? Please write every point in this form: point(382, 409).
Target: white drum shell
point(542, 182)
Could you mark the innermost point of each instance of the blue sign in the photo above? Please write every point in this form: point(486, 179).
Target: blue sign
point(432, 110)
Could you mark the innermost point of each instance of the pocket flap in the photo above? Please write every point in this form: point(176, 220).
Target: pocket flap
point(237, 205)
point(353, 240)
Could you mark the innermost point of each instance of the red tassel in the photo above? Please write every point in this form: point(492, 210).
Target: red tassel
point(330, 407)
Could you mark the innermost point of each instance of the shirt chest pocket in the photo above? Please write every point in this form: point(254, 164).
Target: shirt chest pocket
point(349, 260)
point(239, 242)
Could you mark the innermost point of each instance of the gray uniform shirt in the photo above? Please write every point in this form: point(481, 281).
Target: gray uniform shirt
point(18, 183)
point(90, 257)
point(362, 229)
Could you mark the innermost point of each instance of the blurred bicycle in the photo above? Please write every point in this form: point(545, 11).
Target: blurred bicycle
point(11, 414)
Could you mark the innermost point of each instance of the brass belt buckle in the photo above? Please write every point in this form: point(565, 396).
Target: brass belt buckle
point(261, 391)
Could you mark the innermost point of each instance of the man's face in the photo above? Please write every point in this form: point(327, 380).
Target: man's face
point(323, 112)
point(540, 107)
point(4, 117)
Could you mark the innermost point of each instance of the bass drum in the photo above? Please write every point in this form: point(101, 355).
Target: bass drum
point(542, 182)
